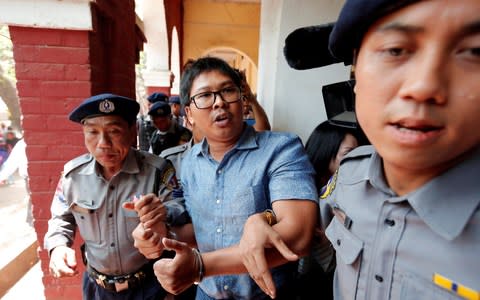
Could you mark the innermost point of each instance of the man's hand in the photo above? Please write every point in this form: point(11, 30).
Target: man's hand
point(63, 262)
point(149, 242)
point(178, 273)
point(258, 235)
point(151, 211)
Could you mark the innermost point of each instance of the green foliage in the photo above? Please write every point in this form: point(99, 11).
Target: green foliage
point(7, 63)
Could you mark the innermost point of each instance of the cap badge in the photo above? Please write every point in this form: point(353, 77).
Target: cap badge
point(106, 106)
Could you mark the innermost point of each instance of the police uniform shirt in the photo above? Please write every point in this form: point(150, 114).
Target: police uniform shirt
point(85, 199)
point(173, 137)
point(424, 245)
point(145, 131)
point(176, 154)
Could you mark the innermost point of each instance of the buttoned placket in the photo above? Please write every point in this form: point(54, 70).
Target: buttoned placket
point(390, 227)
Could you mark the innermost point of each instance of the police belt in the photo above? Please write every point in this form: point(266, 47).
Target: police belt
point(118, 283)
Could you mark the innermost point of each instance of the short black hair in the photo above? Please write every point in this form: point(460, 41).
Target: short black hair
point(323, 144)
point(204, 64)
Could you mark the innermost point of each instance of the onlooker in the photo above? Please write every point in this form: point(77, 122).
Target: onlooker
point(176, 108)
point(17, 160)
point(406, 211)
point(169, 133)
point(90, 195)
point(326, 146)
point(253, 112)
point(10, 139)
point(145, 126)
point(233, 173)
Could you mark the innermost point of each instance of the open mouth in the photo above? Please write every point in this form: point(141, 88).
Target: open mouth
point(423, 128)
point(222, 119)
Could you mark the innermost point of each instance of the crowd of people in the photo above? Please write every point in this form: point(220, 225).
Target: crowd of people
point(209, 204)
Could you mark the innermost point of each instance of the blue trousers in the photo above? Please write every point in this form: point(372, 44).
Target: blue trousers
point(150, 289)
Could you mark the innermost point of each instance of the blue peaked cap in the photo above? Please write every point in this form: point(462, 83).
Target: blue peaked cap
point(157, 96)
point(105, 105)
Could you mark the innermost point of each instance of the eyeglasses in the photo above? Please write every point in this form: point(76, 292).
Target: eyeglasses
point(206, 100)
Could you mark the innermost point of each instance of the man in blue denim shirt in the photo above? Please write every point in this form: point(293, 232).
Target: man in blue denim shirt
point(233, 173)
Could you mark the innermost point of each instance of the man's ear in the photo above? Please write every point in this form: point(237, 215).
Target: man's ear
point(188, 112)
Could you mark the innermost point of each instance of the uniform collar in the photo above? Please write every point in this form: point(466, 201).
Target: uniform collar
point(447, 202)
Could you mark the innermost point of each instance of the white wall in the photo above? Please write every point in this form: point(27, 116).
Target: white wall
point(292, 98)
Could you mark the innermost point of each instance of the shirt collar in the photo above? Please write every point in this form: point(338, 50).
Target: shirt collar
point(246, 141)
point(447, 202)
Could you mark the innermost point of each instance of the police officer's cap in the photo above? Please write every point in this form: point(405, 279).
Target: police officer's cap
point(174, 99)
point(322, 45)
point(160, 109)
point(105, 105)
point(157, 96)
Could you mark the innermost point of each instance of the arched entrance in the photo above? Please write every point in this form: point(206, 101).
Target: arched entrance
point(237, 59)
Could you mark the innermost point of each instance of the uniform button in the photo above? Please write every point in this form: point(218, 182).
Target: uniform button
point(390, 222)
point(339, 242)
point(219, 230)
point(218, 201)
point(225, 287)
point(112, 187)
point(82, 217)
point(112, 245)
point(379, 278)
point(110, 215)
point(219, 171)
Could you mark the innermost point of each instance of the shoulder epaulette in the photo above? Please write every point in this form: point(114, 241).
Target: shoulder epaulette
point(77, 162)
point(358, 153)
point(151, 159)
point(174, 150)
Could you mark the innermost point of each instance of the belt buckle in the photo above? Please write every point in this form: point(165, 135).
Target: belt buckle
point(121, 286)
point(100, 280)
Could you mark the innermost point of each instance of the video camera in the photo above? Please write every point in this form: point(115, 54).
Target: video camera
point(339, 100)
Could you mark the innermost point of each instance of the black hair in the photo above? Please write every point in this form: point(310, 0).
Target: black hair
point(204, 64)
point(323, 144)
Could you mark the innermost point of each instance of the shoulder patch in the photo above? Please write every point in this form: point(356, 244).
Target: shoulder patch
point(169, 178)
point(358, 153)
point(328, 189)
point(76, 162)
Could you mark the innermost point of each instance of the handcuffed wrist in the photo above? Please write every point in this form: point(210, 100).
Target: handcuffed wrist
point(199, 266)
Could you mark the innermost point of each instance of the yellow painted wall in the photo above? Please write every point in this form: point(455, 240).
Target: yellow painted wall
point(215, 23)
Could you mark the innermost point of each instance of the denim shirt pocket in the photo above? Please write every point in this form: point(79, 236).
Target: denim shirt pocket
point(348, 249)
point(87, 220)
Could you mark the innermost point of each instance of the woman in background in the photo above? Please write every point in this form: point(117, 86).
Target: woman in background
point(325, 147)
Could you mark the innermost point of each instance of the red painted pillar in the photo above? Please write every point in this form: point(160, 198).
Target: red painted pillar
point(56, 69)
point(53, 76)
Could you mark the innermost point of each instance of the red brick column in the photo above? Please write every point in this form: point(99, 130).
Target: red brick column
point(53, 73)
point(57, 69)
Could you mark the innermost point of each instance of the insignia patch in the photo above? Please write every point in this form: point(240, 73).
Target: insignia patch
point(328, 189)
point(169, 178)
point(106, 106)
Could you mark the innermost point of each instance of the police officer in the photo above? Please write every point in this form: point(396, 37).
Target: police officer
point(90, 194)
point(176, 108)
point(405, 212)
point(168, 133)
point(145, 126)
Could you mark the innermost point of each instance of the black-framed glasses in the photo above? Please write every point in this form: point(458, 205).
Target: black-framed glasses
point(207, 99)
